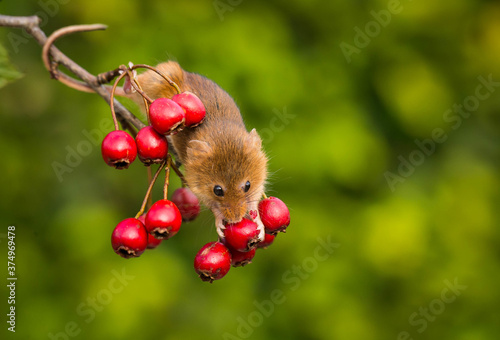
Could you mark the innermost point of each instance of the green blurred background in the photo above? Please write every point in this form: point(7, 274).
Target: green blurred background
point(350, 130)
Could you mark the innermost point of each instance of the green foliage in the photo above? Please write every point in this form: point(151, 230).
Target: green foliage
point(391, 153)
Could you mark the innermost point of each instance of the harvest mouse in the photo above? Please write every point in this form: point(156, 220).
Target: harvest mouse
point(225, 165)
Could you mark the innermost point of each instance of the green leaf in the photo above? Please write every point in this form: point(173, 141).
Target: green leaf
point(8, 72)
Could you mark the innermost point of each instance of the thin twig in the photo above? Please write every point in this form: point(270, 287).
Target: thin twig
point(138, 88)
point(53, 67)
point(31, 26)
point(163, 75)
point(179, 173)
point(59, 34)
point(167, 177)
point(19, 22)
point(148, 192)
point(113, 113)
point(150, 178)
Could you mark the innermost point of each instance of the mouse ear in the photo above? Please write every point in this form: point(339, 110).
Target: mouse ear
point(198, 148)
point(253, 139)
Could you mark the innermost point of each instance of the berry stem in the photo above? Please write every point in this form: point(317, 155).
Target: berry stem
point(163, 75)
point(179, 173)
point(150, 178)
point(138, 88)
point(111, 100)
point(167, 175)
point(264, 195)
point(150, 188)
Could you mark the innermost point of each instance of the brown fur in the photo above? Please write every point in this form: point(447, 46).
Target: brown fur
point(220, 151)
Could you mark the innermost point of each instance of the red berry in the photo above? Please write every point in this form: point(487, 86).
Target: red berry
point(268, 240)
point(192, 105)
point(163, 219)
point(274, 215)
point(165, 115)
point(241, 258)
point(187, 202)
point(213, 261)
point(152, 241)
point(129, 238)
point(142, 218)
point(242, 236)
point(151, 146)
point(118, 149)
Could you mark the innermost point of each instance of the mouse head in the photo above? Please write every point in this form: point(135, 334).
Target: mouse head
point(227, 172)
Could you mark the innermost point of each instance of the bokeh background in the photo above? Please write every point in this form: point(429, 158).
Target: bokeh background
point(338, 130)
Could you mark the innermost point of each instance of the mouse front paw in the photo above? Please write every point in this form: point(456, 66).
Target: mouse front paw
point(220, 227)
point(260, 227)
point(253, 213)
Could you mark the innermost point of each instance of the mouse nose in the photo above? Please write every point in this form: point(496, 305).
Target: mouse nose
point(234, 213)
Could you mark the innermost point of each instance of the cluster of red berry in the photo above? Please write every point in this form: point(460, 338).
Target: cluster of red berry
point(132, 236)
point(241, 240)
point(165, 116)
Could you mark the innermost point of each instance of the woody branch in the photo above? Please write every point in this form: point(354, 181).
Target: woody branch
point(53, 57)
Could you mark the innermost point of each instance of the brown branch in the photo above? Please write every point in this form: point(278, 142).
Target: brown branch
point(19, 22)
point(53, 67)
point(90, 83)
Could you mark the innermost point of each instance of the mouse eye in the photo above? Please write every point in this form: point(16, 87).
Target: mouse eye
point(218, 191)
point(247, 186)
